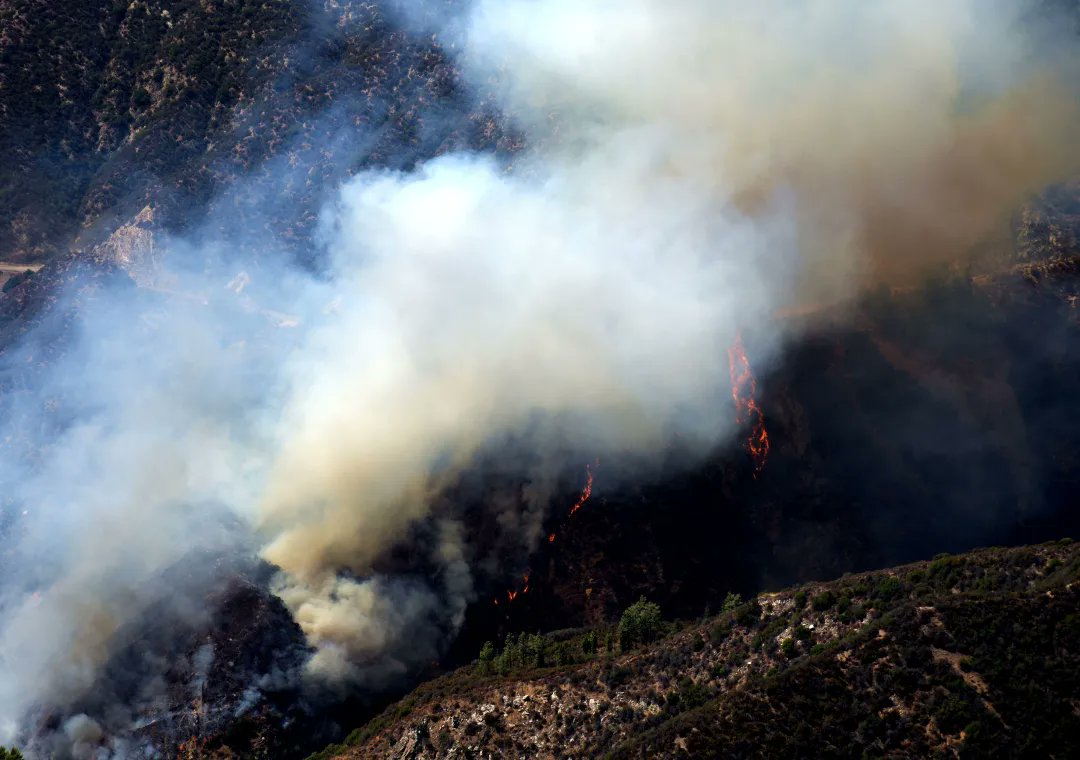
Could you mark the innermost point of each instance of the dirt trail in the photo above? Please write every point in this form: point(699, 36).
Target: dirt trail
point(9, 268)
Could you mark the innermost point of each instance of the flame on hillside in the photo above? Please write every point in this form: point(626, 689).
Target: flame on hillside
point(747, 411)
point(586, 492)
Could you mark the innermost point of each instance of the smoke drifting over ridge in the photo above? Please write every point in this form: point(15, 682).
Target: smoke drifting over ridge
point(696, 168)
point(693, 168)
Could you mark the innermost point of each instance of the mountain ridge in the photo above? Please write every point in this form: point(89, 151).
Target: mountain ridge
point(904, 642)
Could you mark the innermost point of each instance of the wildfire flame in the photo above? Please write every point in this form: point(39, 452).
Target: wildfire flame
point(586, 492)
point(747, 411)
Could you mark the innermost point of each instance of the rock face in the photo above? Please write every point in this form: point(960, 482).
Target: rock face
point(964, 655)
point(131, 247)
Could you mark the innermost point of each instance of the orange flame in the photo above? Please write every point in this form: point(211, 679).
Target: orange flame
point(586, 492)
point(744, 394)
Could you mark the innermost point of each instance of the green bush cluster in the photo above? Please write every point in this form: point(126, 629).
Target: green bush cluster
point(641, 623)
point(528, 651)
point(823, 601)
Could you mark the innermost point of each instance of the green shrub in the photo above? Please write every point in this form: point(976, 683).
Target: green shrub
point(888, 588)
point(748, 614)
point(487, 655)
point(639, 624)
point(618, 676)
point(140, 99)
point(588, 643)
point(953, 714)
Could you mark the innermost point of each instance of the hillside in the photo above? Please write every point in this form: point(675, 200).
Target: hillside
point(962, 656)
point(108, 105)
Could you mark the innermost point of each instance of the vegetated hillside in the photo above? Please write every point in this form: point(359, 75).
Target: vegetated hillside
point(973, 655)
point(233, 119)
point(892, 439)
point(108, 105)
point(88, 87)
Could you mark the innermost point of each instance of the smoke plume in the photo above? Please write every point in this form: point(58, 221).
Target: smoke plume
point(697, 166)
point(693, 167)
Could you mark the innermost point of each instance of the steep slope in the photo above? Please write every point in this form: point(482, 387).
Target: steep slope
point(110, 105)
point(960, 656)
point(894, 438)
point(89, 87)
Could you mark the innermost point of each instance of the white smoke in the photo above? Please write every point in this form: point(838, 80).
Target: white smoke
point(694, 167)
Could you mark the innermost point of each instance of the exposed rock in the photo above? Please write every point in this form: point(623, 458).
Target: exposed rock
point(131, 247)
point(726, 687)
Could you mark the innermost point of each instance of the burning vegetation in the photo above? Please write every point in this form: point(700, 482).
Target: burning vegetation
point(747, 411)
point(586, 492)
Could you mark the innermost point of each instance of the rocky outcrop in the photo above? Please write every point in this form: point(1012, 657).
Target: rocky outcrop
point(132, 248)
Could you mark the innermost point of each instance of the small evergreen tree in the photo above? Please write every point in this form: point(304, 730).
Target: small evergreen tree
point(588, 643)
point(640, 624)
point(487, 657)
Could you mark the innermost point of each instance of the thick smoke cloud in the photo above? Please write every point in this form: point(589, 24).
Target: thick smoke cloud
point(694, 167)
